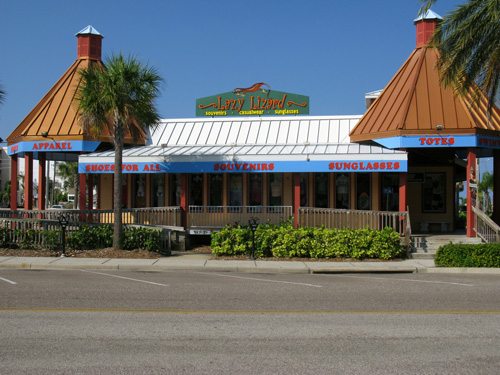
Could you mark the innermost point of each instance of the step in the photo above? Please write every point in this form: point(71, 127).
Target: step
point(425, 246)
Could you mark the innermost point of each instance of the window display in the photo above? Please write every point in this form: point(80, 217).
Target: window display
point(433, 193)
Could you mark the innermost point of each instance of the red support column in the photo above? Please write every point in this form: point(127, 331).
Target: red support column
point(403, 182)
point(184, 199)
point(296, 199)
point(42, 179)
point(496, 186)
point(83, 192)
point(28, 181)
point(13, 182)
point(471, 191)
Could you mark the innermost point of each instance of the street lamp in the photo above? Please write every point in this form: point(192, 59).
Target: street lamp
point(64, 223)
point(254, 223)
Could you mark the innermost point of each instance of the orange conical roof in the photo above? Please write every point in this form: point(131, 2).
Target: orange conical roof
point(415, 101)
point(55, 117)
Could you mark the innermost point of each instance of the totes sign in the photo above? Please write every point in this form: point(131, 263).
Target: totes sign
point(256, 100)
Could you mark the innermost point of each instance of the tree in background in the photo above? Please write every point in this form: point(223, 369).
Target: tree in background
point(120, 98)
point(69, 172)
point(484, 187)
point(468, 40)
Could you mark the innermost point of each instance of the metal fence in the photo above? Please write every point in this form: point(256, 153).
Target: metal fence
point(33, 232)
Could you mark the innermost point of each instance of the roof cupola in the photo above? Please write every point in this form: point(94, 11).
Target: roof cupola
point(426, 25)
point(89, 44)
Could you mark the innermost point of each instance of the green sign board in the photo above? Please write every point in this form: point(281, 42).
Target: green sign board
point(253, 101)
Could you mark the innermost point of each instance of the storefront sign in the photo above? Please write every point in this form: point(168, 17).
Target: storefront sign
point(488, 142)
point(428, 141)
point(243, 167)
point(53, 146)
point(250, 167)
point(365, 166)
point(257, 100)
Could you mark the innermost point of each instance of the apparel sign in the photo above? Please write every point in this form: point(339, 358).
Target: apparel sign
point(256, 100)
point(52, 146)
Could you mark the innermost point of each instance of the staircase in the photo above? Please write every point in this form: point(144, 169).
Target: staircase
point(424, 246)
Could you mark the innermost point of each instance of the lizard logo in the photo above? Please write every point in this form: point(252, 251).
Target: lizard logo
point(253, 88)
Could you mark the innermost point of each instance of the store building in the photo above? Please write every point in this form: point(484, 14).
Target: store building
point(405, 153)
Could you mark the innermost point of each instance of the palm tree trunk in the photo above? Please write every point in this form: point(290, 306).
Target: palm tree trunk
point(76, 186)
point(117, 191)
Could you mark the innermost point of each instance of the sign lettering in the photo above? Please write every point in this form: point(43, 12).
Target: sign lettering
point(242, 102)
point(364, 165)
point(439, 141)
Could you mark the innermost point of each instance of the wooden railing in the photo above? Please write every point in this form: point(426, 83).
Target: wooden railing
point(485, 228)
point(166, 216)
point(215, 217)
point(356, 219)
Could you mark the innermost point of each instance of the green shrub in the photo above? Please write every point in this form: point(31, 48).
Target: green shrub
point(284, 241)
point(468, 255)
point(291, 242)
point(52, 239)
point(91, 237)
point(232, 241)
point(142, 238)
point(461, 220)
point(4, 236)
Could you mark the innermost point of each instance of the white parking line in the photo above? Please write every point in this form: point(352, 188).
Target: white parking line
point(8, 281)
point(409, 280)
point(265, 280)
point(126, 278)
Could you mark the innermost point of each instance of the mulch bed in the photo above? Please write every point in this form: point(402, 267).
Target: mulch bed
point(144, 254)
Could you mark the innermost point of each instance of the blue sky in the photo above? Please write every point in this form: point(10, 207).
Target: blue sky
point(332, 51)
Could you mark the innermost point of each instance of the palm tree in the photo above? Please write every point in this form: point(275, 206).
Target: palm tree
point(484, 187)
point(2, 94)
point(468, 40)
point(119, 98)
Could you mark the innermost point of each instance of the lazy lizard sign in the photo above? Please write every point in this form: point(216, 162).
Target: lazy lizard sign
point(256, 100)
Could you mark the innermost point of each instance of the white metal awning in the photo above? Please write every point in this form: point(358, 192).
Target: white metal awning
point(279, 144)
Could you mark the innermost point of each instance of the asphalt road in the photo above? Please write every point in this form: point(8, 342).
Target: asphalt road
point(118, 322)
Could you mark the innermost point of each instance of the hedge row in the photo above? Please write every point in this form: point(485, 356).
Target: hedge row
point(87, 238)
point(468, 255)
point(284, 241)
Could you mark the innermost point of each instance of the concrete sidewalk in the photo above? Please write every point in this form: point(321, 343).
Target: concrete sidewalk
point(206, 262)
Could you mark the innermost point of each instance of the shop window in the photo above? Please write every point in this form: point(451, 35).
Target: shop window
point(390, 192)
point(433, 193)
point(235, 189)
point(342, 191)
point(175, 189)
point(275, 189)
point(157, 190)
point(304, 189)
point(196, 189)
point(215, 189)
point(139, 184)
point(363, 190)
point(255, 189)
point(321, 188)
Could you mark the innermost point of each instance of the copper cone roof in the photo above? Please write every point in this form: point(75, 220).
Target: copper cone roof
point(414, 102)
point(56, 114)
